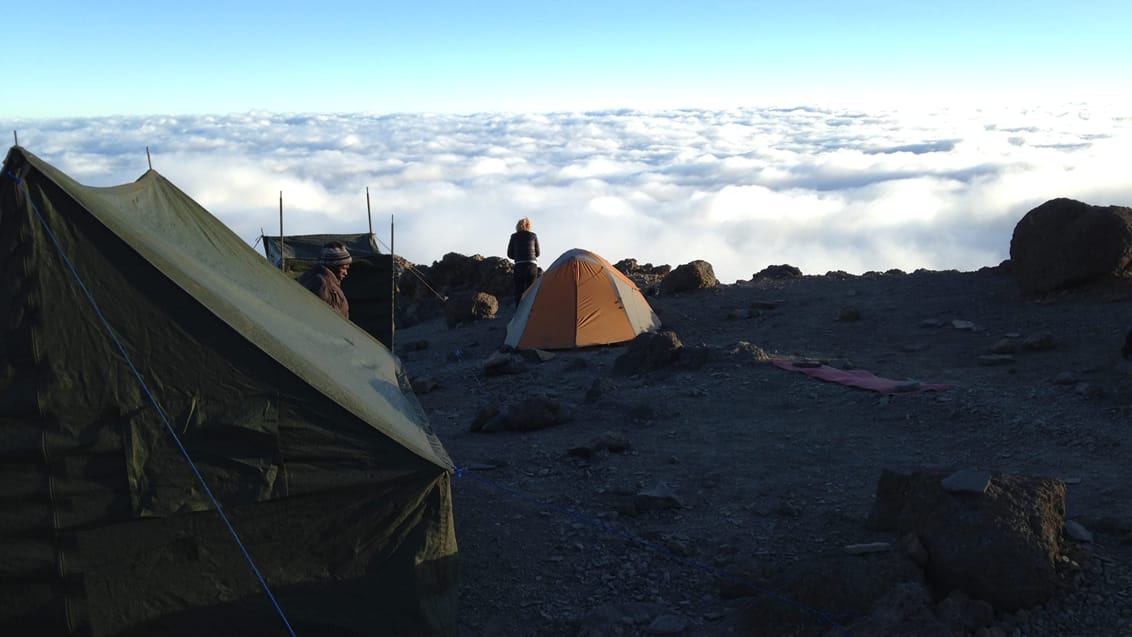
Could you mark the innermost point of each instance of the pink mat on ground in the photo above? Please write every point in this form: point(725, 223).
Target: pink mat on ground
point(862, 379)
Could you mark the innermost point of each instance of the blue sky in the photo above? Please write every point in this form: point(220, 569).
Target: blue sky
point(113, 58)
point(848, 136)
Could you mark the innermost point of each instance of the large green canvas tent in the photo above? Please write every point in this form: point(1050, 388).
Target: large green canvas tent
point(369, 287)
point(130, 311)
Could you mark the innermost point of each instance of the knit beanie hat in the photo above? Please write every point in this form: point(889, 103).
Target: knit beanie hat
point(334, 254)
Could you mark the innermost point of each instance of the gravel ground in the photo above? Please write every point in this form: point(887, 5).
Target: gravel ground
point(764, 467)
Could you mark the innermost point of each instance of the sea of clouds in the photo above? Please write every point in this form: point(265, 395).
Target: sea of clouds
point(820, 189)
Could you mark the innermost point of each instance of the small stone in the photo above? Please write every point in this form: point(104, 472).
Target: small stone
point(493, 424)
point(967, 481)
point(989, 360)
point(667, 625)
point(1088, 390)
point(600, 387)
point(423, 385)
point(1077, 531)
point(966, 326)
point(1005, 346)
point(1065, 378)
point(486, 466)
point(501, 363)
point(1040, 341)
point(537, 355)
point(914, 549)
point(870, 547)
point(660, 496)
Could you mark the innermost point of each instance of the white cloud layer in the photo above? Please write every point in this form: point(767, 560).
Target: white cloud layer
point(820, 189)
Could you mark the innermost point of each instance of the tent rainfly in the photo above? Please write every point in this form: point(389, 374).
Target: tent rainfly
point(130, 312)
point(580, 301)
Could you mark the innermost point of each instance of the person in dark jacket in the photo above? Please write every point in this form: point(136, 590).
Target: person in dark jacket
point(523, 250)
point(325, 277)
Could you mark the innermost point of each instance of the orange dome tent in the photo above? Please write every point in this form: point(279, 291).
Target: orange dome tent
point(581, 300)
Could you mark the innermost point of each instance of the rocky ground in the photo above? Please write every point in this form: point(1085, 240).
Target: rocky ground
point(663, 491)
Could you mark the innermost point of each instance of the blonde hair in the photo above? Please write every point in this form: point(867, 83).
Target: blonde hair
point(524, 225)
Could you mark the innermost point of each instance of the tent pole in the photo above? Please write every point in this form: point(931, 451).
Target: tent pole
point(392, 285)
point(15, 139)
point(282, 257)
point(148, 160)
point(369, 214)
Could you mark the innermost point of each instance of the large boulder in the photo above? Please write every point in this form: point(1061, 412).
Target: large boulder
point(630, 268)
point(463, 308)
point(649, 351)
point(502, 364)
point(1064, 242)
point(691, 276)
point(496, 277)
point(999, 543)
point(455, 271)
point(646, 277)
point(458, 273)
point(535, 412)
point(423, 290)
point(778, 272)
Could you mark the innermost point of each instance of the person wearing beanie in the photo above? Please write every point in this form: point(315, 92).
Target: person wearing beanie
point(523, 250)
point(325, 277)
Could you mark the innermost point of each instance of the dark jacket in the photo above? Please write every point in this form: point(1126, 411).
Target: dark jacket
point(320, 280)
point(523, 247)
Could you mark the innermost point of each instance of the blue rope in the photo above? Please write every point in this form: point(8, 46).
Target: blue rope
point(156, 405)
point(707, 568)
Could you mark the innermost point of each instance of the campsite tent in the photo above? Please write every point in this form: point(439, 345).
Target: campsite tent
point(130, 313)
point(369, 287)
point(579, 301)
